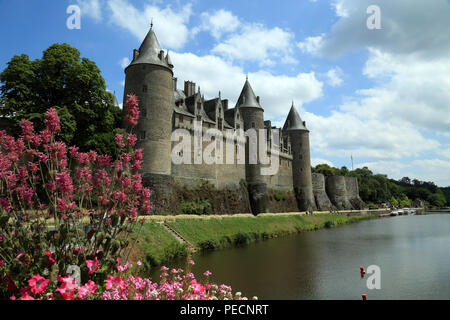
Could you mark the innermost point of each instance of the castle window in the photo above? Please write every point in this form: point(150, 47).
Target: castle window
point(144, 112)
point(199, 105)
point(238, 126)
point(144, 88)
point(141, 135)
point(199, 118)
point(253, 124)
point(300, 156)
point(220, 124)
point(181, 118)
point(220, 110)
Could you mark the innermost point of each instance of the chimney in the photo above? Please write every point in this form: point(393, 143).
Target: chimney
point(135, 54)
point(257, 99)
point(175, 83)
point(225, 104)
point(189, 88)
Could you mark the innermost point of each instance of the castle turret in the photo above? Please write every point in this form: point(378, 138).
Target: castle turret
point(301, 164)
point(253, 117)
point(150, 77)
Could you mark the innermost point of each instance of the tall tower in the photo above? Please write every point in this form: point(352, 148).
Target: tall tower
point(150, 77)
point(253, 116)
point(301, 164)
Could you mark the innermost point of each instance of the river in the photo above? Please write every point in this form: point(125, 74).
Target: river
point(413, 253)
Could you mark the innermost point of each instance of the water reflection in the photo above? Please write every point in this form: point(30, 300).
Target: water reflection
point(412, 252)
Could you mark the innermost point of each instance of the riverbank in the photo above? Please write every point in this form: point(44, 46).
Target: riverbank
point(156, 245)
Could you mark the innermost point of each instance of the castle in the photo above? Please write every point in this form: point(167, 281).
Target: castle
point(165, 108)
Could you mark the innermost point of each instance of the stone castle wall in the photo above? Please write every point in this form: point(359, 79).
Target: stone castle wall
point(322, 201)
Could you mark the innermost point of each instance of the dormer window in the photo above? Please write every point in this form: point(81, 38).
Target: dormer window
point(144, 88)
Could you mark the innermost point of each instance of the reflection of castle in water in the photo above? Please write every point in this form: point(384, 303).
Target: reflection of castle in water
point(165, 108)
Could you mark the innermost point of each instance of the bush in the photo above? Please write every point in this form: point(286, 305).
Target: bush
point(280, 195)
point(241, 239)
point(330, 224)
point(196, 207)
point(46, 193)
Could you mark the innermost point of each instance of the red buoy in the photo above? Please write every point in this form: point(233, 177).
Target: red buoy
point(364, 297)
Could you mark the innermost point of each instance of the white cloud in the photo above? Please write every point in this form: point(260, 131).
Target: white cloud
point(311, 45)
point(317, 161)
point(218, 23)
point(170, 25)
point(91, 8)
point(276, 91)
point(255, 42)
point(343, 133)
point(124, 62)
point(424, 170)
point(335, 77)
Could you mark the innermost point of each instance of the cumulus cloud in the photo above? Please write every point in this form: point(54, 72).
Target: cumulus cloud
point(407, 26)
point(276, 91)
point(91, 8)
point(168, 23)
point(317, 161)
point(335, 77)
point(218, 23)
point(255, 42)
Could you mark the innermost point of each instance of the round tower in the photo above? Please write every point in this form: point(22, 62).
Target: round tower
point(301, 163)
point(150, 77)
point(253, 117)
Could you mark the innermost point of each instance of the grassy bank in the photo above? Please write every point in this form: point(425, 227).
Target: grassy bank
point(156, 245)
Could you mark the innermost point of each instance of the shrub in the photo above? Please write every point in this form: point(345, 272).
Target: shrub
point(280, 195)
point(47, 191)
point(196, 207)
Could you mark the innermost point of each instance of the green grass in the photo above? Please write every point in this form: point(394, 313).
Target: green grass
point(217, 233)
point(156, 245)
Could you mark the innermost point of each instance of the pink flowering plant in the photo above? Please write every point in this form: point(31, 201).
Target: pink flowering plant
point(174, 284)
point(60, 207)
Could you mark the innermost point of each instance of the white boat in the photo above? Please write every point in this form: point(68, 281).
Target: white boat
point(412, 212)
point(406, 211)
point(395, 213)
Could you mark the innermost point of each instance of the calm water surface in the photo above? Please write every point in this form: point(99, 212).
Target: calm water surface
point(413, 253)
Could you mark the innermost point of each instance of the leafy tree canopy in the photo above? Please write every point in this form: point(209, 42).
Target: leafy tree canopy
point(68, 82)
point(378, 188)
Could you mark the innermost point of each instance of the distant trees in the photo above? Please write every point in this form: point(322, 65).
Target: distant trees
point(378, 188)
point(68, 82)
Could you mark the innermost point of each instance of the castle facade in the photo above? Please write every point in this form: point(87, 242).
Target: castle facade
point(164, 108)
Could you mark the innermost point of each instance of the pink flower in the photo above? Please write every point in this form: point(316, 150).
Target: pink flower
point(132, 110)
point(50, 257)
point(119, 140)
point(89, 288)
point(64, 182)
point(114, 282)
point(67, 288)
point(26, 296)
point(131, 140)
point(38, 284)
point(207, 273)
point(191, 262)
point(27, 129)
point(93, 265)
point(52, 121)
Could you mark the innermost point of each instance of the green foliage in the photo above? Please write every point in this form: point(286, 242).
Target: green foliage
point(378, 188)
point(280, 195)
point(196, 207)
point(68, 82)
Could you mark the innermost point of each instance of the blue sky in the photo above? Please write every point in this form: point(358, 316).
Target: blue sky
point(382, 96)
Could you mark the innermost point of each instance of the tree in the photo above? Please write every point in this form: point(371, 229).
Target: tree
point(68, 82)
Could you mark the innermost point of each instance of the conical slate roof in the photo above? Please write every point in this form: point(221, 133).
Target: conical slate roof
point(293, 121)
point(247, 97)
point(149, 51)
